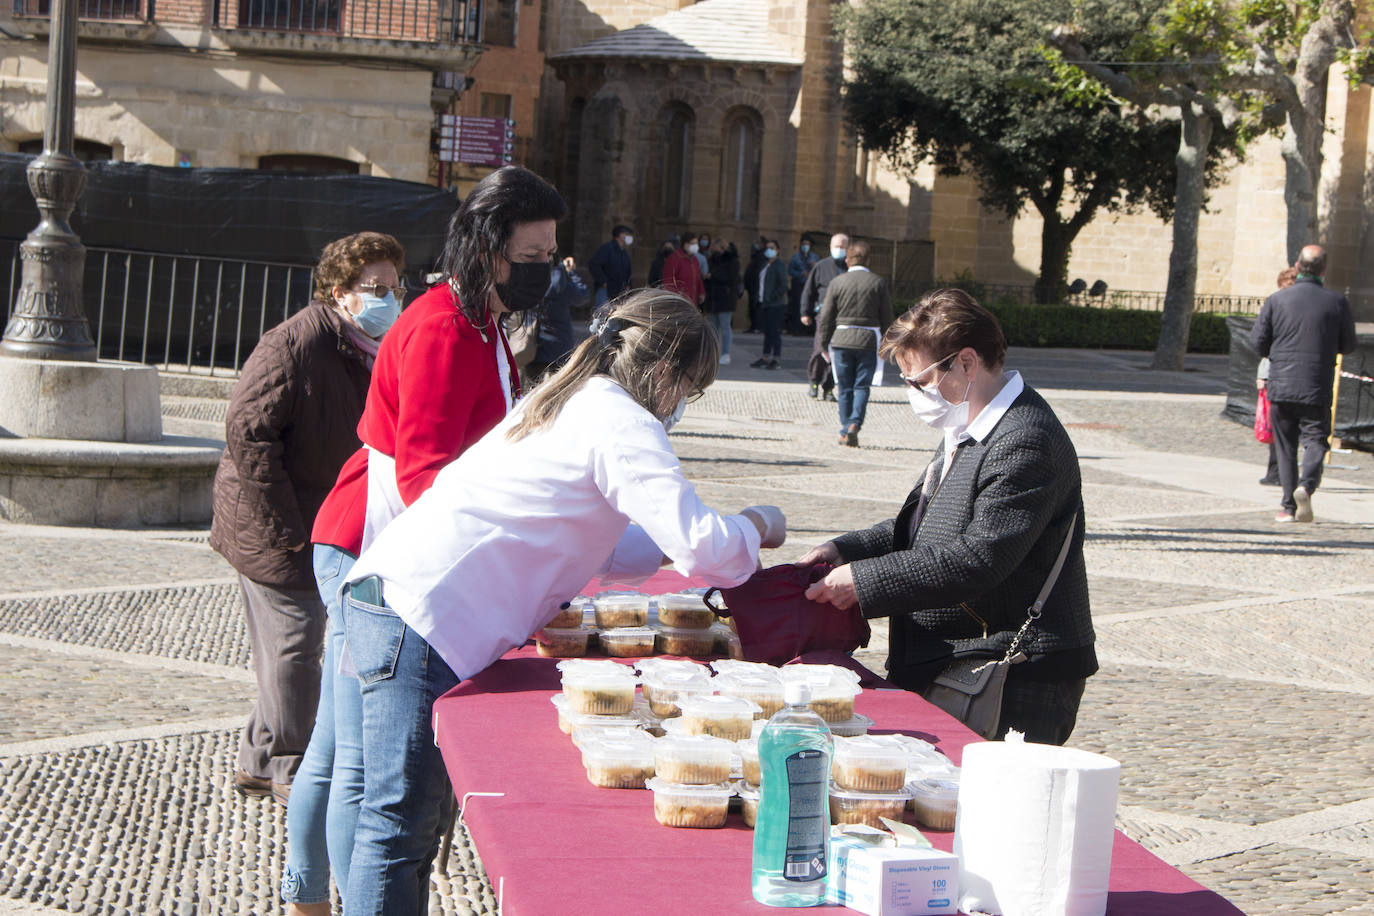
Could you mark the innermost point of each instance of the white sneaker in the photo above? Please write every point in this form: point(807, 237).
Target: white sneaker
point(725, 359)
point(1304, 501)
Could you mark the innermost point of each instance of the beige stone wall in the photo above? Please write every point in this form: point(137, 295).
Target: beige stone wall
point(229, 112)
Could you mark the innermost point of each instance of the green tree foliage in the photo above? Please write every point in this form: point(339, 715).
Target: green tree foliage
point(969, 86)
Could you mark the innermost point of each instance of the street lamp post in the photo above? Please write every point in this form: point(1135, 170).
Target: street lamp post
point(49, 321)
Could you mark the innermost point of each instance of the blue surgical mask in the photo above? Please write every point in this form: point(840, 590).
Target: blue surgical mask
point(837, 253)
point(806, 247)
point(770, 253)
point(378, 314)
point(671, 420)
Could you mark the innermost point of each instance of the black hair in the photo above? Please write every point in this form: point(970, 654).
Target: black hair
point(481, 228)
point(686, 238)
point(619, 228)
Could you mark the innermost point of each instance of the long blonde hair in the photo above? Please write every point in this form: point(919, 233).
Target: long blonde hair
point(647, 331)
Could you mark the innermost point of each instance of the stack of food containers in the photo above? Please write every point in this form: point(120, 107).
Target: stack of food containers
point(598, 698)
point(567, 635)
point(666, 681)
point(868, 780)
point(691, 783)
point(933, 782)
point(622, 620)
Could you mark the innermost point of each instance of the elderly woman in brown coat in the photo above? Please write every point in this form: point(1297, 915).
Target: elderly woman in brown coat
point(292, 422)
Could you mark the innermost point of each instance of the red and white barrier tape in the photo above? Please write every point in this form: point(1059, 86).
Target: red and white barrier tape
point(1358, 378)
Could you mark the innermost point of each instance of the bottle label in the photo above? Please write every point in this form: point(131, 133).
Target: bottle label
point(808, 816)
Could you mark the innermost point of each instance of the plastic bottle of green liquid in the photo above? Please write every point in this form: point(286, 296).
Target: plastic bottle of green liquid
point(792, 831)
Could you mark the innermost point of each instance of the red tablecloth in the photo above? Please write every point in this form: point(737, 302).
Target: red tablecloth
point(553, 843)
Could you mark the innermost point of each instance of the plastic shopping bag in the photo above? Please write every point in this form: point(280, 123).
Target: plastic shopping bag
point(1264, 431)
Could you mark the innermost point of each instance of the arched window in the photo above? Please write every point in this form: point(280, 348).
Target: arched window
point(679, 124)
point(740, 165)
point(84, 150)
point(290, 162)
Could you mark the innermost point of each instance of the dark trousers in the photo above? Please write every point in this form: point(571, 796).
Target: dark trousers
point(1296, 423)
point(286, 637)
point(1045, 711)
point(818, 370)
point(794, 291)
point(772, 330)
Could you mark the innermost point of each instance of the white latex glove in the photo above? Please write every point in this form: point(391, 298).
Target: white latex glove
point(770, 521)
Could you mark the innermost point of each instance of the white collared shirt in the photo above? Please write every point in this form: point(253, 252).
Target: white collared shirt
point(987, 419)
point(510, 530)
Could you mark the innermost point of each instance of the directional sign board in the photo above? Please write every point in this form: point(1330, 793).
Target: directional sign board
point(476, 141)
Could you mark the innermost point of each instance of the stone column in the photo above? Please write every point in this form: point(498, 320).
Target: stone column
point(48, 320)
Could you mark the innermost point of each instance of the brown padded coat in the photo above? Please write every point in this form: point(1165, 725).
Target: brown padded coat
point(292, 423)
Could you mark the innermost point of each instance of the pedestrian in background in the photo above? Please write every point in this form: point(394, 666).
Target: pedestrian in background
point(566, 292)
point(850, 327)
point(751, 281)
point(722, 293)
point(610, 266)
point(772, 293)
point(291, 425)
point(1301, 329)
point(682, 271)
point(1271, 471)
point(703, 250)
point(819, 376)
point(798, 269)
point(660, 258)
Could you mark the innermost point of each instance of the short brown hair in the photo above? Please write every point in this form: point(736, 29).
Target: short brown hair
point(856, 255)
point(944, 322)
point(343, 260)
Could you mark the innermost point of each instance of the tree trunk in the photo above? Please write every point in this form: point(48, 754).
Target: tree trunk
point(1055, 241)
point(1191, 159)
point(1302, 141)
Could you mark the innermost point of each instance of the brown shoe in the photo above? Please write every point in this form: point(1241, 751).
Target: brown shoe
point(281, 792)
point(251, 786)
point(851, 438)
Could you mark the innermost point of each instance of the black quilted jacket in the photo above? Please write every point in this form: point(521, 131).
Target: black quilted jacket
point(983, 550)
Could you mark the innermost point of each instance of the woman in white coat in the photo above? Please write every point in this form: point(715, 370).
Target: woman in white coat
point(579, 481)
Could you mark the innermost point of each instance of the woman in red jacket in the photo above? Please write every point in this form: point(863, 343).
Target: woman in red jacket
point(444, 376)
point(682, 270)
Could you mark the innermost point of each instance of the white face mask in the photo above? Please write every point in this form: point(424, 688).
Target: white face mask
point(837, 253)
point(932, 409)
point(691, 247)
point(629, 240)
point(671, 420)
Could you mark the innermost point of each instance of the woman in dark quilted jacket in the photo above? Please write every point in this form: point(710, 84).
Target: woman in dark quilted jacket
point(978, 539)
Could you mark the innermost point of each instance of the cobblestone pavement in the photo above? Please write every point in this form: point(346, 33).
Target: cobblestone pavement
point(1236, 654)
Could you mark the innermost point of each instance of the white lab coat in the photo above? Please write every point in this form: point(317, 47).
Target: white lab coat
point(510, 530)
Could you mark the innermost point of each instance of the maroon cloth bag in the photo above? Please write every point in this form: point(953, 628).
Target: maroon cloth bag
point(776, 622)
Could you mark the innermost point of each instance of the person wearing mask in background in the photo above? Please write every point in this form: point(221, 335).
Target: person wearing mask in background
point(610, 266)
point(850, 327)
point(703, 250)
point(722, 293)
point(566, 292)
point(772, 291)
point(660, 259)
point(999, 511)
point(444, 376)
point(291, 425)
point(1271, 471)
point(751, 282)
point(798, 269)
point(819, 376)
point(682, 271)
point(580, 481)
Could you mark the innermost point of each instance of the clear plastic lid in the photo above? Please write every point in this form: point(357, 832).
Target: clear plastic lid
point(694, 749)
point(585, 726)
point(718, 792)
point(621, 601)
point(934, 789)
point(627, 634)
point(718, 707)
point(736, 666)
point(672, 679)
point(872, 751)
point(746, 791)
point(580, 666)
point(626, 747)
point(600, 679)
point(682, 601)
point(761, 687)
point(819, 676)
point(856, 725)
point(675, 665)
point(856, 797)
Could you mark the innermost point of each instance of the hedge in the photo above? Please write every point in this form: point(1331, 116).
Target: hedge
point(1102, 328)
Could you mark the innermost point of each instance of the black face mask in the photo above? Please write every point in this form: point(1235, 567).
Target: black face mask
point(528, 283)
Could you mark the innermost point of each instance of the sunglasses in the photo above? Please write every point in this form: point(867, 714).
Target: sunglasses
point(381, 289)
point(947, 363)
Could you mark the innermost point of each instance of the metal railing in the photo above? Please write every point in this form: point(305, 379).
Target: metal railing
point(414, 20)
point(182, 310)
point(1132, 299)
point(86, 9)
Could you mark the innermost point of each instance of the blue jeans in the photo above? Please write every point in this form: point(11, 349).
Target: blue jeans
point(406, 795)
point(721, 322)
point(329, 784)
point(853, 375)
point(772, 330)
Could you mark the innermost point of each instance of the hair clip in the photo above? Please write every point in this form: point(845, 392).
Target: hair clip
point(609, 334)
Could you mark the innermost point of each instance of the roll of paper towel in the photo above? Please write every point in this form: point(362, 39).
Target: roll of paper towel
point(1035, 828)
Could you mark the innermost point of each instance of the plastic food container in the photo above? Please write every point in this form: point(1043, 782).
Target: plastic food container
point(762, 688)
point(833, 689)
point(692, 760)
point(685, 610)
point(850, 807)
point(690, 806)
point(727, 641)
point(749, 760)
point(585, 726)
point(618, 761)
point(685, 641)
point(621, 609)
point(935, 801)
point(858, 725)
point(749, 802)
point(560, 703)
point(600, 693)
point(736, 666)
point(722, 717)
point(664, 687)
point(628, 642)
point(553, 642)
point(655, 665)
point(869, 764)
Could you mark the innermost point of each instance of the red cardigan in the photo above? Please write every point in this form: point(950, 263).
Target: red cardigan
point(435, 391)
point(682, 273)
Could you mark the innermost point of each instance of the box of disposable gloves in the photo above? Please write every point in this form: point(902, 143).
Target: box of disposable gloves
point(871, 874)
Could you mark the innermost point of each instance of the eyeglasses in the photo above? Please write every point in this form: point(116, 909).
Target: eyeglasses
point(911, 380)
point(381, 289)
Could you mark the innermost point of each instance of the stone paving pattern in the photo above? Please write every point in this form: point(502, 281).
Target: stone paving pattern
point(1236, 654)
